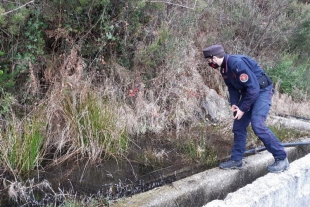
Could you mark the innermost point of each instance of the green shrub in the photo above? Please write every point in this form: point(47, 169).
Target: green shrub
point(299, 42)
point(7, 78)
point(291, 74)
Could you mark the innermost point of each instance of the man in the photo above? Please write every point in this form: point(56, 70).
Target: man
point(250, 91)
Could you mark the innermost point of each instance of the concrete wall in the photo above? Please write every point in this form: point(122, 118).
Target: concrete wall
point(287, 189)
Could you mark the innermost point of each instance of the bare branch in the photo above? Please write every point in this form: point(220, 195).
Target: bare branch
point(167, 2)
point(17, 8)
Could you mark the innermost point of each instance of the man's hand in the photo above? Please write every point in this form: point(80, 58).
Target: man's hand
point(237, 112)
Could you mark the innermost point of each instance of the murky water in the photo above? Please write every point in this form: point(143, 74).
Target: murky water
point(115, 178)
point(153, 161)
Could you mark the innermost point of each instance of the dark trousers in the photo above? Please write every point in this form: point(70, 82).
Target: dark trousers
point(257, 116)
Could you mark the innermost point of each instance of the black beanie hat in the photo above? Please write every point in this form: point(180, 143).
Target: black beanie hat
point(213, 50)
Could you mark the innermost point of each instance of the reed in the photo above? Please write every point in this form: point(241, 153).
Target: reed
point(21, 145)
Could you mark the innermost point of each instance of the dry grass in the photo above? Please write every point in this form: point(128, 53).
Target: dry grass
point(284, 105)
point(183, 91)
point(98, 121)
point(24, 192)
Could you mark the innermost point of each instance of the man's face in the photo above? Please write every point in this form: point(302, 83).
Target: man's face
point(212, 62)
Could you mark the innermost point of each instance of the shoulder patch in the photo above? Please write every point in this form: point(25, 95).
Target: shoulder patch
point(244, 77)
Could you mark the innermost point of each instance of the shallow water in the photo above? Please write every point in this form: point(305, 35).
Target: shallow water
point(114, 179)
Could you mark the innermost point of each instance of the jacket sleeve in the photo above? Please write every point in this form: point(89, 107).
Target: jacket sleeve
point(234, 94)
point(248, 79)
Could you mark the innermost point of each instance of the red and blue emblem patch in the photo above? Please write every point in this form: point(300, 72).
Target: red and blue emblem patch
point(244, 77)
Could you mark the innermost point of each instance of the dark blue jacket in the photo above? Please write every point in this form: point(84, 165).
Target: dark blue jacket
point(241, 75)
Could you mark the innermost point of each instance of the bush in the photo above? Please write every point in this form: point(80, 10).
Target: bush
point(292, 75)
point(299, 42)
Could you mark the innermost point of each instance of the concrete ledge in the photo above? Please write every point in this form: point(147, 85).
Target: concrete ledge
point(201, 188)
point(289, 123)
point(289, 188)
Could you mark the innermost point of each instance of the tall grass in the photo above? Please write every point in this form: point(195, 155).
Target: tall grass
point(21, 144)
point(88, 124)
point(93, 123)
